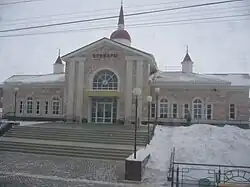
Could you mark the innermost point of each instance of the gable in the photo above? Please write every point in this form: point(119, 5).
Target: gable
point(107, 45)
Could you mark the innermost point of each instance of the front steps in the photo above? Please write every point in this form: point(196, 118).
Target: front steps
point(90, 142)
point(109, 136)
point(59, 149)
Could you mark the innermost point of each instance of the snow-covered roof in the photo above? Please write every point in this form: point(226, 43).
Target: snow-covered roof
point(45, 78)
point(193, 78)
point(162, 77)
point(235, 78)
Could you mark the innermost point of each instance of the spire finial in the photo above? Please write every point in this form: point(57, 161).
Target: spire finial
point(121, 18)
point(59, 52)
point(187, 49)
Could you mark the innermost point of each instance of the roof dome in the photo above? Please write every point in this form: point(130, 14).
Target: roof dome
point(120, 34)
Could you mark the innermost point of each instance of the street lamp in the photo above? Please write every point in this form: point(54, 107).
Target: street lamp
point(149, 99)
point(157, 91)
point(136, 93)
point(16, 90)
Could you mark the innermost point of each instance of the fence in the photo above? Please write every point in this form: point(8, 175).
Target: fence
point(191, 174)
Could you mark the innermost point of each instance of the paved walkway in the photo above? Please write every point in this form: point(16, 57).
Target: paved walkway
point(30, 178)
point(68, 143)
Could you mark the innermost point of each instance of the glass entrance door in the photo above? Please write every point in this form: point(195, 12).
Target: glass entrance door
point(104, 112)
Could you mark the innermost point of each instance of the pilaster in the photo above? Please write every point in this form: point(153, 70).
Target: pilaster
point(71, 89)
point(79, 89)
point(129, 88)
point(139, 84)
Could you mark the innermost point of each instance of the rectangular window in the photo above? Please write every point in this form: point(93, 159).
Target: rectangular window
point(174, 110)
point(37, 107)
point(46, 107)
point(232, 112)
point(163, 110)
point(209, 112)
point(29, 106)
point(185, 110)
point(21, 107)
point(153, 110)
point(55, 107)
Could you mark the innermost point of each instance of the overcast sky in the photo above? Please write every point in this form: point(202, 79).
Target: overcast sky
point(215, 45)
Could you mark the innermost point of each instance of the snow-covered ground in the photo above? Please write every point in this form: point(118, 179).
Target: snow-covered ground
point(28, 123)
point(198, 143)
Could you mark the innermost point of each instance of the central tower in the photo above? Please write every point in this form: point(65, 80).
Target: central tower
point(121, 35)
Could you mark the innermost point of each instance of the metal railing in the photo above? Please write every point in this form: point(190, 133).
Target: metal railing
point(182, 174)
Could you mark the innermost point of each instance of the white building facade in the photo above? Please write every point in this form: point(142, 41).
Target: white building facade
point(97, 81)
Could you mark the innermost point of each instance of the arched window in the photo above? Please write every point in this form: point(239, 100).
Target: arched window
point(105, 80)
point(29, 105)
point(163, 108)
point(55, 106)
point(197, 109)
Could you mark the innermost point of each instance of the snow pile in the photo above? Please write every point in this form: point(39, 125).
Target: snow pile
point(228, 145)
point(198, 143)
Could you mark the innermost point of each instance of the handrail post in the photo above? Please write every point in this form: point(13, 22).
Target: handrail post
point(177, 176)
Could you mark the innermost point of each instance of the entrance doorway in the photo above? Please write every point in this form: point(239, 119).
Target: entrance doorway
point(104, 110)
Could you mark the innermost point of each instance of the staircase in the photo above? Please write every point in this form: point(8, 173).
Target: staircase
point(90, 141)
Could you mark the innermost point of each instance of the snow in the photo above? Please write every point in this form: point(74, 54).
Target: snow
point(140, 154)
point(25, 123)
point(189, 77)
point(235, 79)
point(232, 79)
point(29, 123)
point(199, 143)
point(60, 77)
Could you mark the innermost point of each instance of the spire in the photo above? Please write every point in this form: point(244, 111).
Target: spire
point(121, 18)
point(59, 60)
point(187, 63)
point(187, 57)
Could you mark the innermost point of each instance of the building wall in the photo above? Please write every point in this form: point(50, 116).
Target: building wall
point(93, 66)
point(1, 97)
point(131, 70)
point(38, 93)
point(220, 99)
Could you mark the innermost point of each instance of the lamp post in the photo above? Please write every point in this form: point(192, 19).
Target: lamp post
point(149, 99)
point(16, 90)
point(157, 91)
point(136, 93)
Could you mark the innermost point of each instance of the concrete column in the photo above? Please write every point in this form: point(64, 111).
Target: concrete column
point(139, 84)
point(129, 88)
point(80, 89)
point(71, 89)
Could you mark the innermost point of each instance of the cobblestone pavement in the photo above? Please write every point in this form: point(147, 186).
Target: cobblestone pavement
point(66, 167)
point(31, 170)
point(23, 181)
